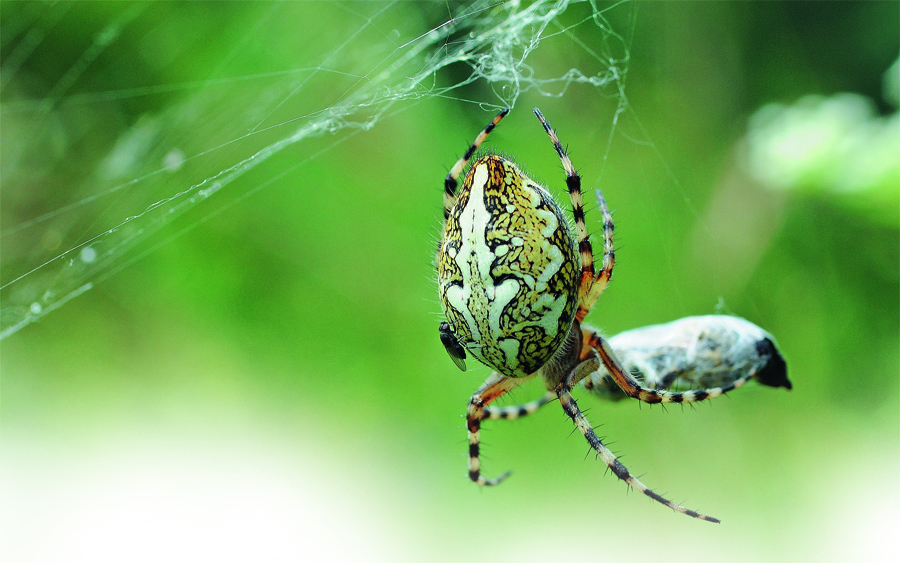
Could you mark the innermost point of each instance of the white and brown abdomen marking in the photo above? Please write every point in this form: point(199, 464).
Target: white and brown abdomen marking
point(507, 264)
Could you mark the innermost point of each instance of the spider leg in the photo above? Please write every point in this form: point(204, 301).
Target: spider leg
point(573, 184)
point(518, 411)
point(450, 182)
point(633, 388)
point(496, 386)
point(592, 283)
point(570, 407)
point(601, 279)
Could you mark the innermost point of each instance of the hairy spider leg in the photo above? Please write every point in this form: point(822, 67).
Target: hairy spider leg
point(450, 182)
point(518, 411)
point(570, 407)
point(633, 388)
point(496, 386)
point(592, 283)
point(601, 279)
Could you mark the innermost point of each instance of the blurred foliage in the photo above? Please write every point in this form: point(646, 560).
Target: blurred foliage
point(297, 308)
point(834, 145)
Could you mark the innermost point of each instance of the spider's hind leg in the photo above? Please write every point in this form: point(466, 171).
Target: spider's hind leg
point(608, 262)
point(570, 407)
point(451, 181)
point(573, 185)
point(592, 282)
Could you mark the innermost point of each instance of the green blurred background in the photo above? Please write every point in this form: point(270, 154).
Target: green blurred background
point(260, 377)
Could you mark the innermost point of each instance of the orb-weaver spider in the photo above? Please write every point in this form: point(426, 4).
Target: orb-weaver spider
point(516, 283)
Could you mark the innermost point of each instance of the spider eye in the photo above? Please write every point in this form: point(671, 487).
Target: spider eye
point(453, 346)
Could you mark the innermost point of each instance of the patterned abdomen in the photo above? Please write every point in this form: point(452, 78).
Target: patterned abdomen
point(507, 269)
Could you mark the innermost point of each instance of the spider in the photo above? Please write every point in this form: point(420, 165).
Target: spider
point(516, 282)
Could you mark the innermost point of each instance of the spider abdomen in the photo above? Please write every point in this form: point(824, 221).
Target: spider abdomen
point(507, 266)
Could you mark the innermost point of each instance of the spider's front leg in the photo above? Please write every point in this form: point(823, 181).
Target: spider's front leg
point(594, 343)
point(518, 411)
point(570, 407)
point(496, 386)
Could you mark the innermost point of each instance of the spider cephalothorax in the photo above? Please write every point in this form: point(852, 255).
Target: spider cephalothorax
point(516, 281)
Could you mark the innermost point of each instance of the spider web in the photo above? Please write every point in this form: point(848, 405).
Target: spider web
point(65, 230)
